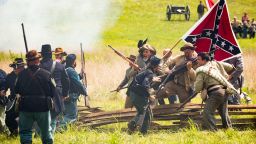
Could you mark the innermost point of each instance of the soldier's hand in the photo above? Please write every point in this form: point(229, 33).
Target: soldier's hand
point(189, 65)
point(2, 93)
point(137, 68)
point(156, 79)
point(65, 98)
point(229, 77)
point(118, 89)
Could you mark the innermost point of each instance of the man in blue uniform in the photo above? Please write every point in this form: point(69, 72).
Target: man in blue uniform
point(139, 93)
point(76, 89)
point(35, 89)
point(3, 101)
point(61, 79)
point(11, 115)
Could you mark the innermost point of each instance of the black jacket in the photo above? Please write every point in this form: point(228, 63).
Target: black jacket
point(35, 88)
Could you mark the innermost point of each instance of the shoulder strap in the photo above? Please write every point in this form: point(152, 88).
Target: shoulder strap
point(53, 67)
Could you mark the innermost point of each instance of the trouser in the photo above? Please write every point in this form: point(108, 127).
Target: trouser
point(171, 88)
point(200, 15)
point(171, 100)
point(128, 102)
point(54, 119)
point(217, 100)
point(70, 113)
point(3, 128)
point(26, 121)
point(144, 114)
point(11, 121)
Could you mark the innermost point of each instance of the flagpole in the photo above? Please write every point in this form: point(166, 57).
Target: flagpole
point(171, 49)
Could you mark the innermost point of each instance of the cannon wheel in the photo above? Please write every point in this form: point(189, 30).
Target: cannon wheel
point(168, 12)
point(187, 13)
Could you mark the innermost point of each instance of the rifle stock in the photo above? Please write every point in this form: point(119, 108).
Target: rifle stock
point(125, 58)
point(173, 72)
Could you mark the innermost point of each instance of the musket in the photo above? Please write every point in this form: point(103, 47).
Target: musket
point(125, 58)
point(187, 101)
point(24, 36)
point(120, 89)
point(84, 79)
point(173, 72)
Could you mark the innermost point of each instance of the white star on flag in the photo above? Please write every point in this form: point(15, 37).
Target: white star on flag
point(231, 48)
point(223, 44)
point(194, 39)
point(208, 33)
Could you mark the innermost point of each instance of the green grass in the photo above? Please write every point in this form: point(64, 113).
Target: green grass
point(146, 18)
point(140, 19)
point(118, 136)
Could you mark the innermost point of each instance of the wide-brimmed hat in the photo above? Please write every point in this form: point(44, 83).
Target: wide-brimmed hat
point(59, 50)
point(132, 57)
point(187, 46)
point(32, 55)
point(148, 47)
point(18, 62)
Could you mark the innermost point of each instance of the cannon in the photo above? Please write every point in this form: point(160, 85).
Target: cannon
point(170, 10)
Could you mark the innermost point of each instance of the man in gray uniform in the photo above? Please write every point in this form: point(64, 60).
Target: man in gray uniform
point(236, 78)
point(209, 77)
point(129, 75)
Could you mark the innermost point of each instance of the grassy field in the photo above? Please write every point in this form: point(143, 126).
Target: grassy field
point(140, 19)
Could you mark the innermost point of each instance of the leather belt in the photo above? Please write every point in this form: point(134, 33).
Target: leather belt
point(214, 88)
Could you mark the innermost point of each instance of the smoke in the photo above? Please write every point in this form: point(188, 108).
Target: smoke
point(61, 23)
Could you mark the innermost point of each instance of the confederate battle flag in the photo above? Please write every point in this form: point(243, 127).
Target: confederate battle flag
point(213, 33)
point(209, 4)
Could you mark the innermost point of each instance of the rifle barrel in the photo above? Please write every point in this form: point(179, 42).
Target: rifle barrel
point(24, 36)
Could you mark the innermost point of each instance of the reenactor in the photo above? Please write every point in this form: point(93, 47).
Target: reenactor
point(76, 89)
point(35, 89)
point(11, 115)
point(200, 10)
point(3, 102)
point(129, 75)
point(237, 79)
point(61, 79)
point(145, 52)
point(59, 55)
point(140, 90)
point(183, 82)
point(164, 69)
point(218, 88)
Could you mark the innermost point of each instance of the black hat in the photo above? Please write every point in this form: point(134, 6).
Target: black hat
point(18, 62)
point(46, 49)
point(154, 61)
point(70, 59)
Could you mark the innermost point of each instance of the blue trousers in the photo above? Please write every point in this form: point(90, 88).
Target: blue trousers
point(144, 114)
point(26, 121)
point(71, 112)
